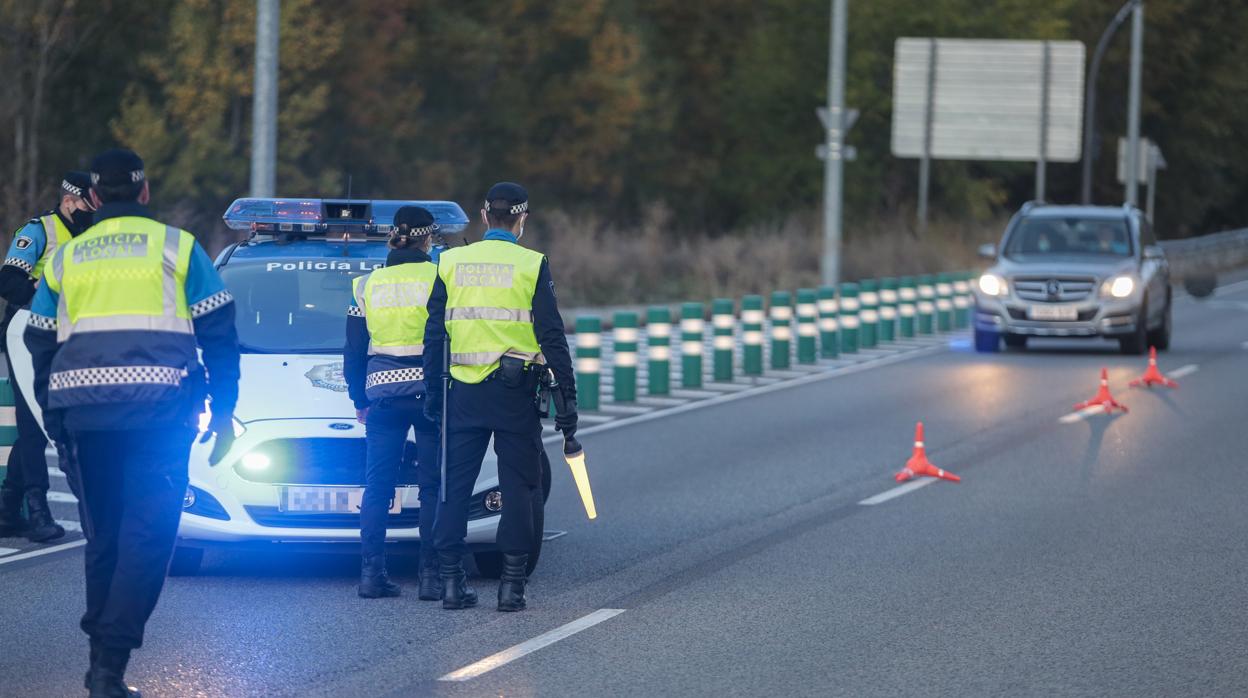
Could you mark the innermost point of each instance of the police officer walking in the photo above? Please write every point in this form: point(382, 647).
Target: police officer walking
point(496, 301)
point(24, 265)
point(385, 379)
point(114, 332)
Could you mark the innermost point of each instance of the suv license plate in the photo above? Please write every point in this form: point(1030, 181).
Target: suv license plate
point(1053, 312)
point(327, 500)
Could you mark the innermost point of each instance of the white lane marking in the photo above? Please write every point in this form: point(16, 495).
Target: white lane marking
point(1081, 414)
point(1184, 371)
point(55, 472)
point(1244, 345)
point(1232, 288)
point(515, 652)
point(44, 551)
point(8, 551)
point(71, 525)
point(897, 491)
point(54, 496)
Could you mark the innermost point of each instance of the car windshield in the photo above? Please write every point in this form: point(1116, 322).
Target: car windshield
point(293, 306)
point(1044, 236)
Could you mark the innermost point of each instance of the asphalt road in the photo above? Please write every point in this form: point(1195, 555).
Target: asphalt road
point(1105, 556)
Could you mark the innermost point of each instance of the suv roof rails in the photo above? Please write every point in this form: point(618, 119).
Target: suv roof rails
point(1033, 204)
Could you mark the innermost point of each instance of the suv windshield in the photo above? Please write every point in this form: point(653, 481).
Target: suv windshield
point(1069, 236)
point(293, 306)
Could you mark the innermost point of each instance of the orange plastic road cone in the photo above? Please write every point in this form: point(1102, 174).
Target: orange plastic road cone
point(1153, 376)
point(918, 465)
point(1103, 398)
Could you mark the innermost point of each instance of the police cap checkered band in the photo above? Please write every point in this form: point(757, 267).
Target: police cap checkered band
point(507, 198)
point(418, 220)
point(76, 183)
point(116, 167)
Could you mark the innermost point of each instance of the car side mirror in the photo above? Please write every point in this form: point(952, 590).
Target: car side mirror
point(1153, 252)
point(988, 251)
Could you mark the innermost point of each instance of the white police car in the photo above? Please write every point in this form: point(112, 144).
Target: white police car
point(296, 473)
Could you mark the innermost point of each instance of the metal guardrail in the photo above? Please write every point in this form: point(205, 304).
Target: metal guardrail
point(1207, 255)
point(806, 326)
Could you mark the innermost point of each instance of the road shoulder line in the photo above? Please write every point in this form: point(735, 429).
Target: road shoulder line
point(530, 646)
point(897, 492)
point(43, 551)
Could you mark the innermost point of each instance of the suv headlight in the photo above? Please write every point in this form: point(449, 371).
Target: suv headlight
point(1118, 287)
point(992, 285)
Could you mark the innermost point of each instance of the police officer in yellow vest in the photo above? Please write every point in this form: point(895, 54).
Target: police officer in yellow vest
point(496, 301)
point(24, 265)
point(385, 379)
point(115, 333)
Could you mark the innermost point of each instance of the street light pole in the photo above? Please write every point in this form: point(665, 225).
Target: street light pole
point(264, 101)
point(833, 170)
point(1133, 104)
point(1089, 99)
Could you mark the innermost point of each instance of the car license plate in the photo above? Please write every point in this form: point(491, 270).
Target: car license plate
point(328, 500)
point(1053, 312)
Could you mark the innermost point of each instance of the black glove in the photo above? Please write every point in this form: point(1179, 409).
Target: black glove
point(222, 426)
point(433, 408)
point(565, 420)
point(54, 426)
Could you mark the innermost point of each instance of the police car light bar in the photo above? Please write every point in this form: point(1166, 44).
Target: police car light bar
point(334, 216)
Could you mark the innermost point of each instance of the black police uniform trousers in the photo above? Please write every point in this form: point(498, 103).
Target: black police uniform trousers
point(133, 484)
point(386, 436)
point(27, 466)
point(476, 412)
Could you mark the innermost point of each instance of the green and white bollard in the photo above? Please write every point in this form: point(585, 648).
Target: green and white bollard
point(8, 417)
point(692, 336)
point(829, 342)
point(868, 313)
point(659, 349)
point(781, 328)
point(944, 302)
point(752, 335)
point(807, 327)
point(724, 322)
point(888, 309)
point(961, 300)
point(849, 318)
point(907, 306)
point(588, 362)
point(624, 335)
point(927, 304)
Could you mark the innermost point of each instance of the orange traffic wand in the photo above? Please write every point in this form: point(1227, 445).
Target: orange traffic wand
point(1152, 376)
point(1103, 398)
point(919, 466)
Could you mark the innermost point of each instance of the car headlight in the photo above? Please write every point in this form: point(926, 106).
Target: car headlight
point(1118, 286)
point(256, 461)
point(992, 285)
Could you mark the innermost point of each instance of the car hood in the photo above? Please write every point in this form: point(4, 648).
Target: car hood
point(1064, 266)
point(293, 386)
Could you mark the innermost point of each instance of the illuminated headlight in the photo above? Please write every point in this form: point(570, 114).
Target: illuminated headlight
point(256, 461)
point(992, 285)
point(188, 499)
point(494, 500)
point(1118, 287)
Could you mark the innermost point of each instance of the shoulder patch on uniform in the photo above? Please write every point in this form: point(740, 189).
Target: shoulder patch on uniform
point(23, 242)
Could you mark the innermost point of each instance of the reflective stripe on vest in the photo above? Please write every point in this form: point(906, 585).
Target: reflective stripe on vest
point(393, 302)
point(125, 273)
point(55, 234)
point(489, 306)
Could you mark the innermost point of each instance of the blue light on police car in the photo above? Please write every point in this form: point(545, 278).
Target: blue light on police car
point(256, 461)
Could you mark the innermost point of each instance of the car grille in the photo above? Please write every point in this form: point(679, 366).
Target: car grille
point(1069, 288)
point(321, 461)
point(273, 518)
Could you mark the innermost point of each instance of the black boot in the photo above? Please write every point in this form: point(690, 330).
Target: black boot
point(12, 523)
point(95, 657)
point(430, 579)
point(511, 586)
point(106, 679)
point(456, 593)
point(374, 584)
point(43, 527)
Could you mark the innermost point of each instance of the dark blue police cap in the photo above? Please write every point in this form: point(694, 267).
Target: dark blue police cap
point(76, 183)
point(418, 219)
point(116, 167)
point(507, 198)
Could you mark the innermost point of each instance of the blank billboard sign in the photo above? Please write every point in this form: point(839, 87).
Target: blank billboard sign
point(987, 99)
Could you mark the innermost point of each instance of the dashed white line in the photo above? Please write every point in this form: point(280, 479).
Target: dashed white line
point(55, 472)
point(897, 491)
point(54, 496)
point(1184, 371)
point(515, 652)
point(43, 551)
point(8, 551)
point(1081, 414)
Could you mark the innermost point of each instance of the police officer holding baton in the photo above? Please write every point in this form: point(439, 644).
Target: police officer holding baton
point(495, 302)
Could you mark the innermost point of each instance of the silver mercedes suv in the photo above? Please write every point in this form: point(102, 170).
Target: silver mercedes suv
point(1075, 271)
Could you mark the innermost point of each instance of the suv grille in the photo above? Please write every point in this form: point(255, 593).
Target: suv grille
point(321, 461)
point(1054, 289)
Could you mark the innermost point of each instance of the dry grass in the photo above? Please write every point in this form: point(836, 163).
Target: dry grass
point(603, 263)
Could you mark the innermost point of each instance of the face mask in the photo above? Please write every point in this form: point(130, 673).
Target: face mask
point(81, 220)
